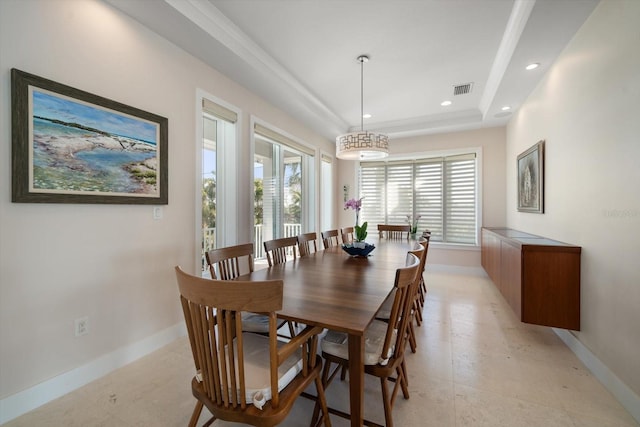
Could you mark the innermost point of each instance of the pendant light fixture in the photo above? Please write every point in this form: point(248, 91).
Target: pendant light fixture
point(362, 145)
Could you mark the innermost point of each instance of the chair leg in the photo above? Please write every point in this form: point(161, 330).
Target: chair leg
point(195, 416)
point(325, 373)
point(291, 329)
point(412, 338)
point(316, 414)
point(322, 401)
point(403, 366)
point(388, 419)
point(325, 383)
point(417, 313)
point(400, 384)
point(402, 377)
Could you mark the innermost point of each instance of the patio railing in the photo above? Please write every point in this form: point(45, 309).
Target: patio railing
point(209, 239)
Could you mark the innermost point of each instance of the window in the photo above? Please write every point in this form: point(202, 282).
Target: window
point(326, 172)
point(216, 181)
point(442, 190)
point(283, 187)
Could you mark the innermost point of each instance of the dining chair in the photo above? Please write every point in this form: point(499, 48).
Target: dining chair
point(424, 241)
point(230, 262)
point(347, 234)
point(330, 238)
point(243, 377)
point(418, 296)
point(385, 343)
point(278, 249)
point(415, 313)
point(307, 242)
point(395, 232)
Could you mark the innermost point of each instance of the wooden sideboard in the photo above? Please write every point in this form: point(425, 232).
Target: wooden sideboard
point(539, 277)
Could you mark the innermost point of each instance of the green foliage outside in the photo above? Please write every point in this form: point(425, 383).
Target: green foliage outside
point(209, 202)
point(258, 189)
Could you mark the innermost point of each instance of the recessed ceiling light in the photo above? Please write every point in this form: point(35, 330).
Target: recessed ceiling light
point(366, 116)
point(445, 103)
point(506, 108)
point(532, 66)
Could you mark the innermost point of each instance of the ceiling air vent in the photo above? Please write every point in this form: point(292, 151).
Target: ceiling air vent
point(462, 89)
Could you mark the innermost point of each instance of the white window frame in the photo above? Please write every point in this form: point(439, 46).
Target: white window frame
point(326, 191)
point(226, 172)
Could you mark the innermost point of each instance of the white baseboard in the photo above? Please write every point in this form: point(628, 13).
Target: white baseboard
point(20, 403)
point(627, 397)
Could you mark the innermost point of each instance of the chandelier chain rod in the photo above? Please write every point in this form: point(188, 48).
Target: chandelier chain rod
point(361, 94)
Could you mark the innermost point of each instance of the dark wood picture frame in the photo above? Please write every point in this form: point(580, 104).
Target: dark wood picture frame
point(531, 179)
point(71, 146)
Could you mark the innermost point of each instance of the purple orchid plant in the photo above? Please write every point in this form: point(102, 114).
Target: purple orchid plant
point(360, 231)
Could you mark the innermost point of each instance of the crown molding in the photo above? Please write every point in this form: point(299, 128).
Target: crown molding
point(510, 39)
point(214, 23)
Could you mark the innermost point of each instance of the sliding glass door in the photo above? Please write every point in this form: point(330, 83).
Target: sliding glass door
point(282, 191)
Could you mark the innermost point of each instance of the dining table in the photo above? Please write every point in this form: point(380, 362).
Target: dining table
point(334, 290)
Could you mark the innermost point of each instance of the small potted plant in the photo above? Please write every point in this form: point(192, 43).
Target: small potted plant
point(413, 222)
point(359, 247)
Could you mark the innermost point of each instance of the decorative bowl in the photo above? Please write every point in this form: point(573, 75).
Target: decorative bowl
point(358, 251)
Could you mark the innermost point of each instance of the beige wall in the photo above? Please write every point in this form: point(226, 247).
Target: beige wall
point(587, 109)
point(492, 144)
point(111, 263)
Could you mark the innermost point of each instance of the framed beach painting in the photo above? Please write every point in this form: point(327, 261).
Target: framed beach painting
point(531, 179)
point(70, 146)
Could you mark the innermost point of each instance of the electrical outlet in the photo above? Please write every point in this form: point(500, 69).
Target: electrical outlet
point(81, 326)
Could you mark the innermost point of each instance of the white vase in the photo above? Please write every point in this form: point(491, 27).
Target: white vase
point(359, 245)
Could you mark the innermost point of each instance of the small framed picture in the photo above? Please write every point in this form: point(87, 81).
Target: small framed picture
point(531, 179)
point(70, 146)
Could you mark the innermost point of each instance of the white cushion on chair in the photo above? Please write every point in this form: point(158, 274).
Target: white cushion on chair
point(258, 323)
point(252, 322)
point(336, 343)
point(257, 370)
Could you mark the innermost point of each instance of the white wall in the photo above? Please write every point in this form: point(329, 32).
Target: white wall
point(587, 109)
point(111, 263)
point(492, 143)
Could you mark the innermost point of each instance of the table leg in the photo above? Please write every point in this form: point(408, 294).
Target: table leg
point(356, 379)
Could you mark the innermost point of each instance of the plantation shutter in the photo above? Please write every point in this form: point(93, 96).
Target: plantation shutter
point(399, 193)
point(460, 199)
point(429, 195)
point(372, 189)
point(441, 190)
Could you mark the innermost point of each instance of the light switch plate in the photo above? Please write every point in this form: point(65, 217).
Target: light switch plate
point(157, 212)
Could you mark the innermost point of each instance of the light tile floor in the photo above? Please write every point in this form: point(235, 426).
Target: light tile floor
point(476, 365)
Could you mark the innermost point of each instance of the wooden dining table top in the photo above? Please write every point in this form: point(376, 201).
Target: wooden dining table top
point(334, 290)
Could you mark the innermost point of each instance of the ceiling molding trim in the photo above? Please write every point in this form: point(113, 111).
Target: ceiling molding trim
point(212, 21)
point(517, 22)
point(426, 124)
